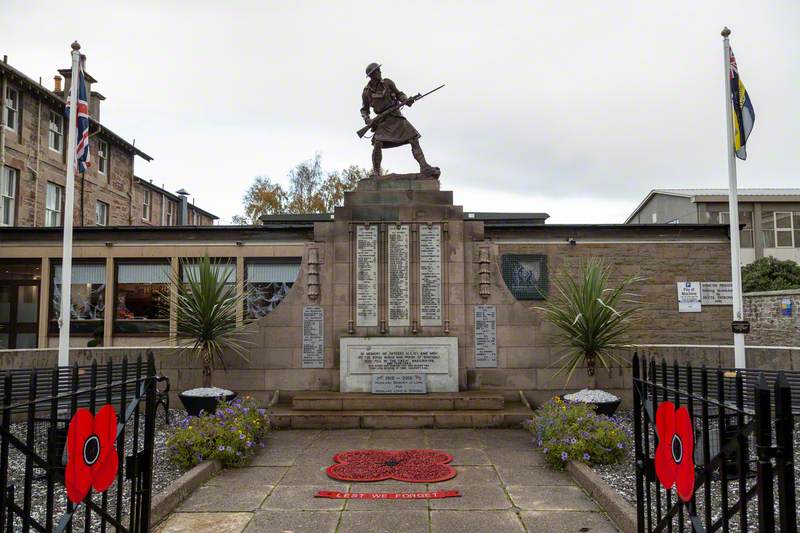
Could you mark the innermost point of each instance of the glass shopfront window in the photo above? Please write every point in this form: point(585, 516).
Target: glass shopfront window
point(142, 298)
point(87, 298)
point(268, 283)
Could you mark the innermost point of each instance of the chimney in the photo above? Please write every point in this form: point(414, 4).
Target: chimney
point(57, 80)
point(183, 212)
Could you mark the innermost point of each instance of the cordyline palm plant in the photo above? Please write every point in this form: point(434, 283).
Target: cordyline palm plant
point(207, 304)
point(592, 318)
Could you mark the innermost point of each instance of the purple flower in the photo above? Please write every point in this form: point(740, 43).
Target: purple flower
point(585, 456)
point(249, 444)
point(262, 411)
point(228, 448)
point(221, 448)
point(620, 445)
point(564, 456)
point(238, 454)
point(241, 436)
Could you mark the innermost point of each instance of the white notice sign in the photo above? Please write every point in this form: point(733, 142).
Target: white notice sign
point(717, 292)
point(313, 337)
point(485, 336)
point(430, 275)
point(397, 286)
point(689, 297)
point(367, 276)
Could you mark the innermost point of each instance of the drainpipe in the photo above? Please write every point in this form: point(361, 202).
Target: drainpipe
point(38, 159)
point(3, 120)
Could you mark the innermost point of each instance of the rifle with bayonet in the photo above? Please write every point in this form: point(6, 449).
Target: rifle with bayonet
point(383, 114)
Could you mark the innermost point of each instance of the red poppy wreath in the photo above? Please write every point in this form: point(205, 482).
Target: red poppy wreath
point(413, 466)
point(675, 451)
point(91, 456)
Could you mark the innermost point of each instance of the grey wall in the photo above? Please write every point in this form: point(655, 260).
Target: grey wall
point(668, 208)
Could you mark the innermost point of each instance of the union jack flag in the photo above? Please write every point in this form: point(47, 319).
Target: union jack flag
point(82, 159)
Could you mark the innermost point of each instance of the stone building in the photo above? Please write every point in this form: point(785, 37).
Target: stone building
point(33, 164)
point(770, 218)
point(398, 284)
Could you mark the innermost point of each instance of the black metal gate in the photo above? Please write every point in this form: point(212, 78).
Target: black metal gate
point(38, 405)
point(743, 460)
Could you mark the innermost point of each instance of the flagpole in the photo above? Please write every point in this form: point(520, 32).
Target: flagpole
point(66, 255)
point(740, 359)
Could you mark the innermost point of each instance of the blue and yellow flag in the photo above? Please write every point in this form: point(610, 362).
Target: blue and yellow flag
point(743, 114)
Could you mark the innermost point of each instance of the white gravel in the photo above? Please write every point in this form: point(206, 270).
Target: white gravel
point(591, 396)
point(207, 392)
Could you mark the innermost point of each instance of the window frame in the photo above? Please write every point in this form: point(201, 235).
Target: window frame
point(170, 213)
point(52, 321)
point(60, 205)
point(789, 230)
point(102, 157)
point(723, 217)
point(249, 286)
point(147, 199)
point(541, 291)
point(57, 133)
point(106, 208)
point(155, 332)
point(7, 110)
point(10, 175)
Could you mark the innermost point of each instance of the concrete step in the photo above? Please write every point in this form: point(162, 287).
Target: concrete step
point(363, 401)
point(512, 415)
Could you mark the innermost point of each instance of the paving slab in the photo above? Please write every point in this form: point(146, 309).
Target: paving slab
point(384, 522)
point(522, 456)
point(472, 475)
point(272, 455)
point(232, 479)
point(477, 522)
point(532, 475)
point(213, 498)
point(565, 498)
point(300, 498)
point(468, 456)
point(567, 522)
point(475, 497)
point(312, 475)
point(293, 521)
point(217, 522)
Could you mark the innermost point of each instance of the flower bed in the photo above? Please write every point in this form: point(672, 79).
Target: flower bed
point(231, 434)
point(567, 430)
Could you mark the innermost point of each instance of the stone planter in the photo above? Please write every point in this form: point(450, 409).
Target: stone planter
point(197, 402)
point(601, 408)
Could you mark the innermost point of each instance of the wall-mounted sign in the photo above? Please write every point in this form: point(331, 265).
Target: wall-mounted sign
point(717, 292)
point(786, 307)
point(313, 337)
point(689, 297)
point(740, 326)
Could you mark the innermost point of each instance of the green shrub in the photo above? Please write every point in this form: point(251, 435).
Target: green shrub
point(231, 434)
point(770, 274)
point(572, 430)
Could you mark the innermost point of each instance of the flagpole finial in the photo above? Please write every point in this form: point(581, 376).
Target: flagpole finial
point(726, 32)
point(76, 46)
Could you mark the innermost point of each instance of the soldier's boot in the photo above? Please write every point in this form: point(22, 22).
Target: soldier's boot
point(424, 168)
point(377, 157)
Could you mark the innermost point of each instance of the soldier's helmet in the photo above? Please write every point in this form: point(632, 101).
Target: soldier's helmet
point(372, 67)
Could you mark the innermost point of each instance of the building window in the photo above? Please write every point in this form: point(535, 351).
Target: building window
point(8, 193)
point(268, 283)
point(784, 231)
point(796, 222)
point(101, 213)
point(146, 204)
point(56, 132)
point(87, 298)
point(142, 298)
point(170, 219)
point(52, 210)
point(526, 276)
point(102, 157)
point(746, 233)
point(12, 109)
point(223, 268)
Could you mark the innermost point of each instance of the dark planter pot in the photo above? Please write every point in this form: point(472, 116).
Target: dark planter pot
point(207, 404)
point(602, 408)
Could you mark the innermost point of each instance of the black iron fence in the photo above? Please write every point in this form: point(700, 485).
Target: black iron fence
point(714, 449)
point(107, 410)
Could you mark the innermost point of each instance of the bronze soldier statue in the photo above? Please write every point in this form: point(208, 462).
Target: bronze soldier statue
point(394, 129)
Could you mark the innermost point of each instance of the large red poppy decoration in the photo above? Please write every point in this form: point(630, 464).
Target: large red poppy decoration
point(414, 466)
point(91, 457)
point(675, 451)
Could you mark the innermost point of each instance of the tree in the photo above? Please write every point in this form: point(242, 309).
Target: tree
point(770, 274)
point(311, 190)
point(593, 319)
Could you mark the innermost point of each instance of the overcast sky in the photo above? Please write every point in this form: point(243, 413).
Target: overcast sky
point(576, 109)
